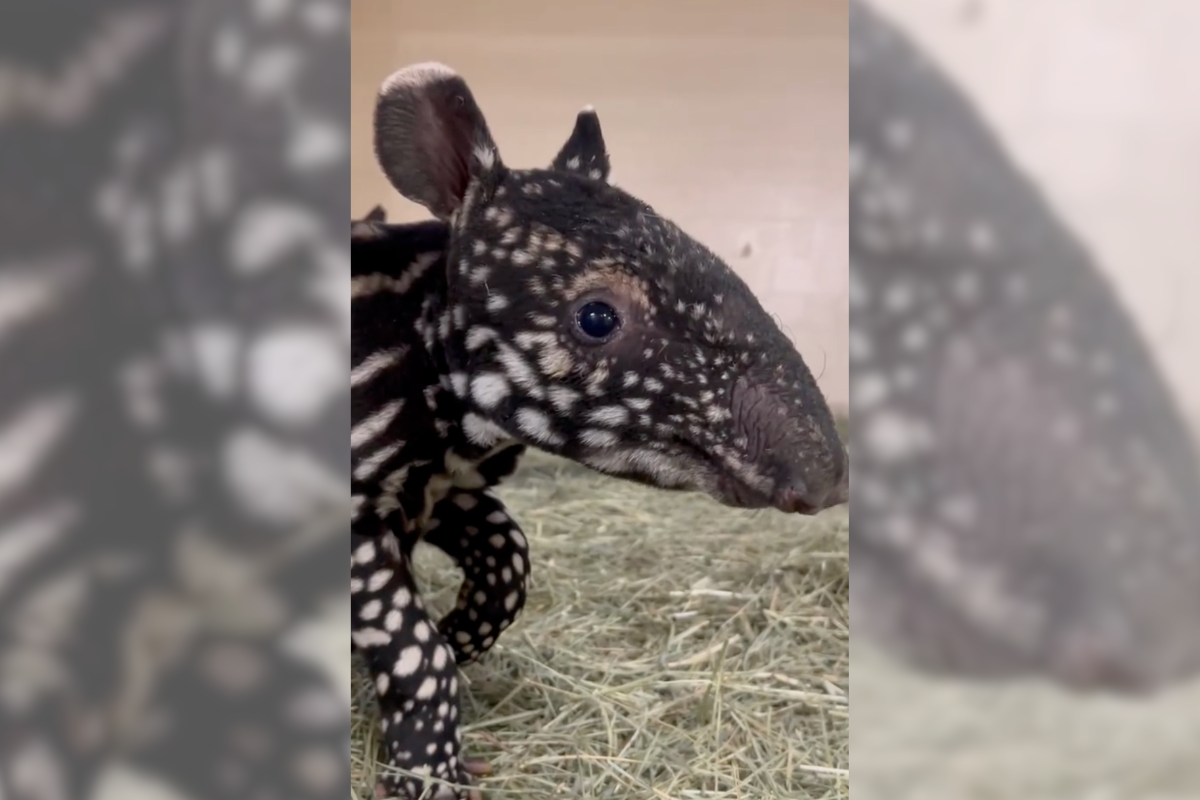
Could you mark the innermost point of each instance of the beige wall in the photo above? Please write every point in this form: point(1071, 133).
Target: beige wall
point(731, 120)
point(1097, 99)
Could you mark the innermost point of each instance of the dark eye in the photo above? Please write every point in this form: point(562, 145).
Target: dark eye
point(597, 319)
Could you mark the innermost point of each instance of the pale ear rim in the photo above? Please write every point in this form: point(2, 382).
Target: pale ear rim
point(431, 138)
point(414, 76)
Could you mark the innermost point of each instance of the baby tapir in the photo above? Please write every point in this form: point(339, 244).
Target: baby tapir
point(1027, 495)
point(543, 308)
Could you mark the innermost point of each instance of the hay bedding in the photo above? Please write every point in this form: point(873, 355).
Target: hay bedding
point(670, 649)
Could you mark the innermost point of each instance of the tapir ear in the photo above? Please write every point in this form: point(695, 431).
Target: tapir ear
point(369, 226)
point(584, 152)
point(431, 138)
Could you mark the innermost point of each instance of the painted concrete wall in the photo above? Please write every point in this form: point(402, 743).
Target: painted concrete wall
point(730, 120)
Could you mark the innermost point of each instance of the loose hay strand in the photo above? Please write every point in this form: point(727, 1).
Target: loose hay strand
point(670, 648)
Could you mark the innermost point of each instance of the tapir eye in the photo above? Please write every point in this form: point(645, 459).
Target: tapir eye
point(597, 320)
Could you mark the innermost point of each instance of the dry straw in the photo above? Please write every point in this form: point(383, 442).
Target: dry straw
point(671, 649)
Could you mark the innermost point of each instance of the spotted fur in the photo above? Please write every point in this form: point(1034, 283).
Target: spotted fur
point(170, 471)
point(1026, 492)
point(472, 341)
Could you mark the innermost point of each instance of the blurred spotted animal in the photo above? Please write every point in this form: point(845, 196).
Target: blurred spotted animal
point(1027, 495)
point(543, 308)
point(172, 474)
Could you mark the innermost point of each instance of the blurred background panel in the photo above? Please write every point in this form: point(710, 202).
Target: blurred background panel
point(174, 411)
point(730, 120)
point(1094, 101)
point(1097, 100)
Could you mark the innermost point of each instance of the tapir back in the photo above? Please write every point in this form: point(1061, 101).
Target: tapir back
point(398, 276)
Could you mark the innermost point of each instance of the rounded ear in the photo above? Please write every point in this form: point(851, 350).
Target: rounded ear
point(430, 137)
point(584, 152)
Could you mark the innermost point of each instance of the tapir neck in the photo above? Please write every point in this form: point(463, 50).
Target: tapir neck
point(435, 314)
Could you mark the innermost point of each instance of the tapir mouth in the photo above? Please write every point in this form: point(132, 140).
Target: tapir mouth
point(737, 494)
point(733, 492)
point(729, 490)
